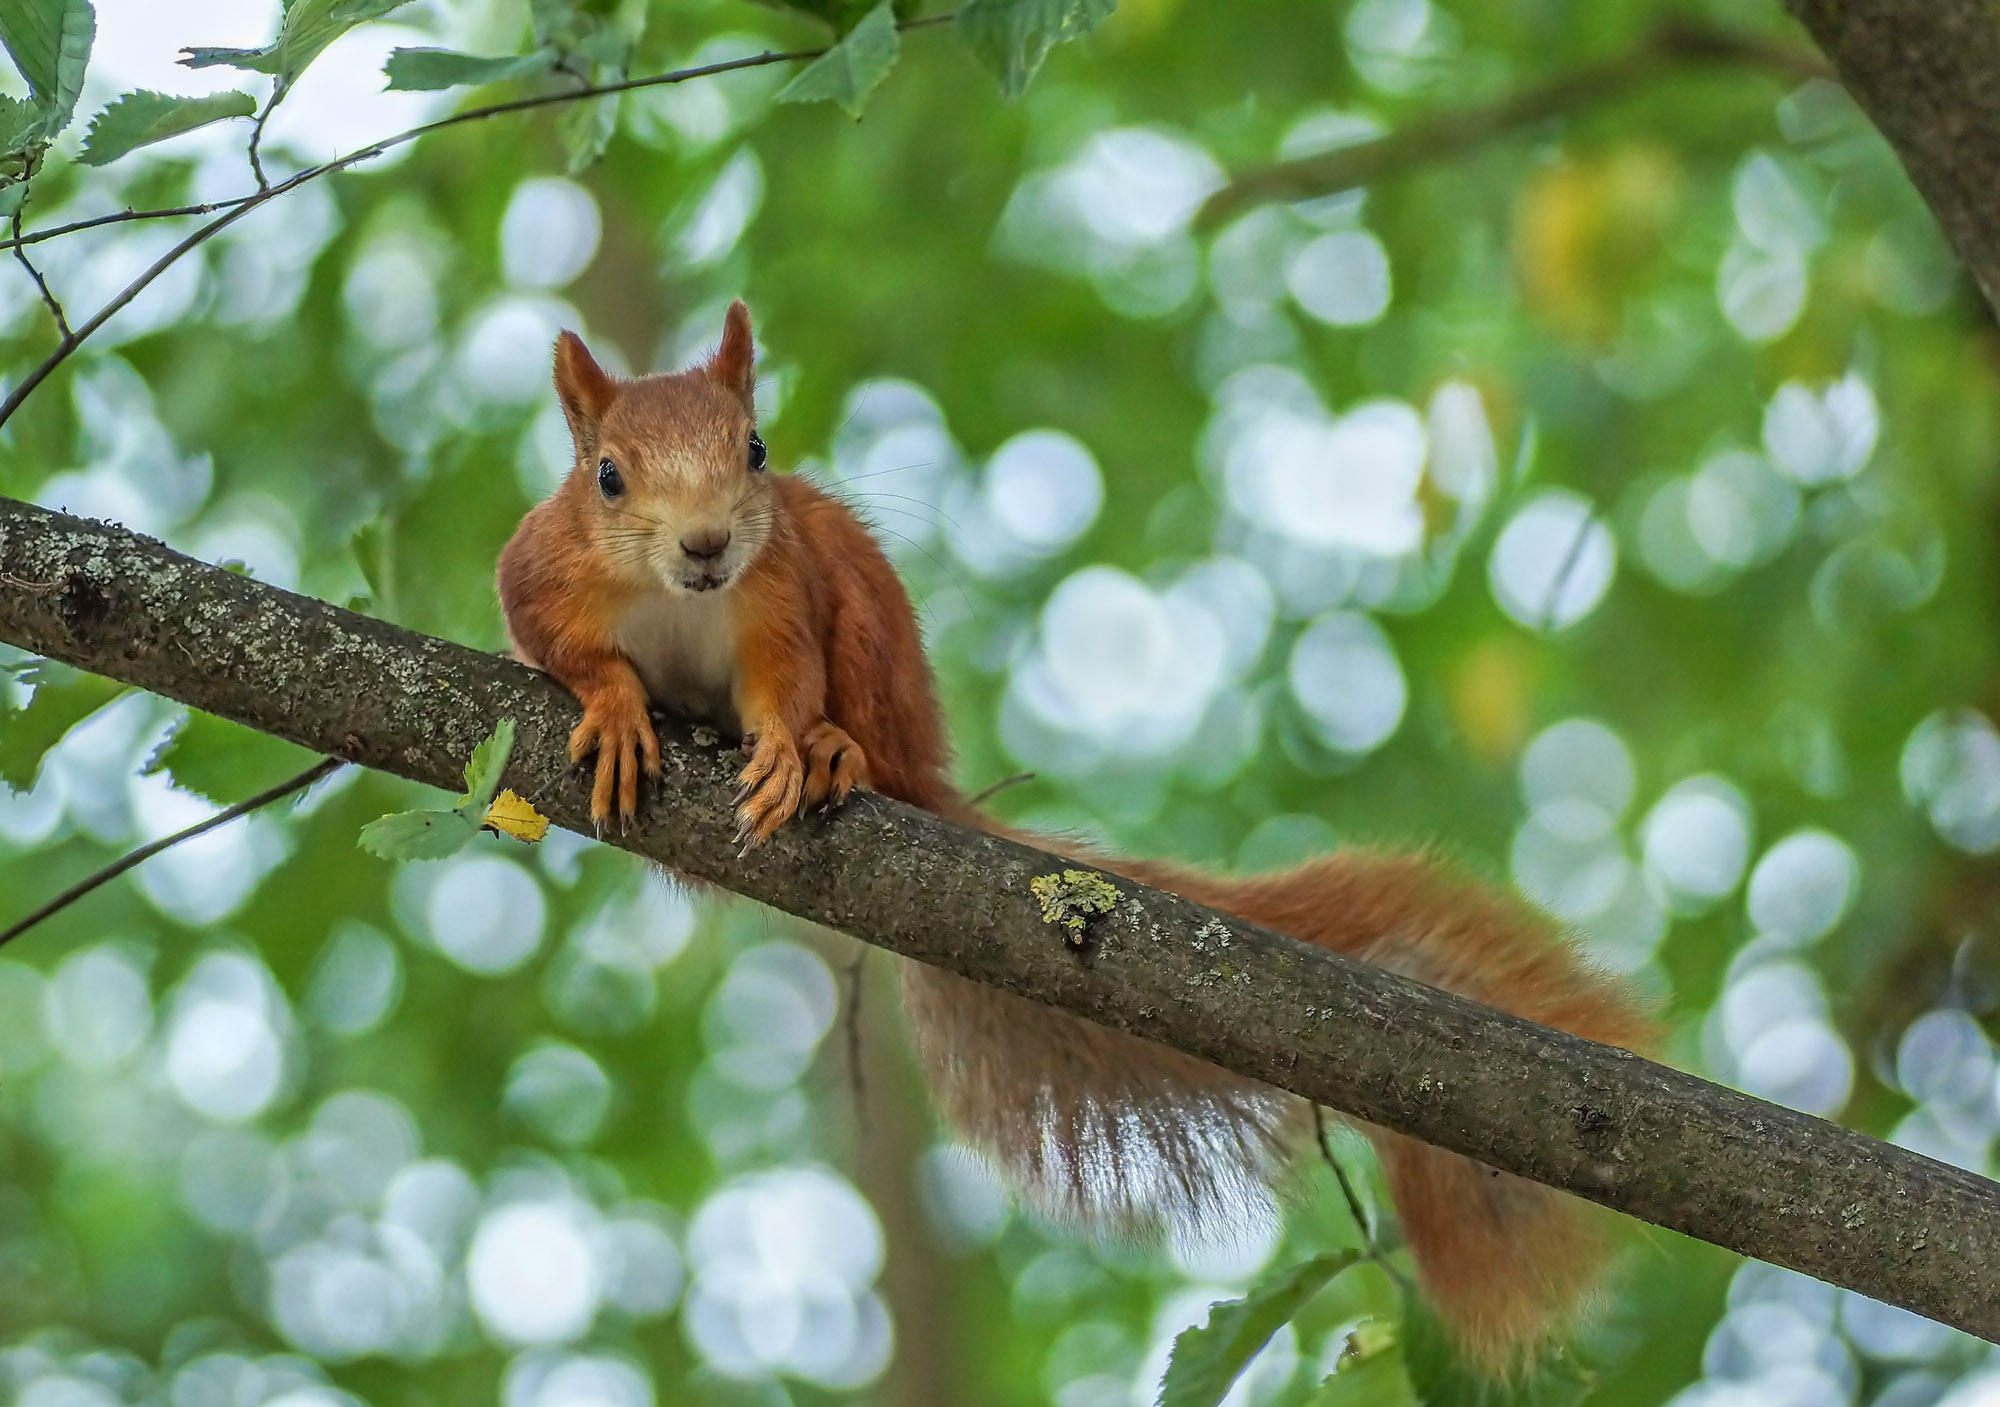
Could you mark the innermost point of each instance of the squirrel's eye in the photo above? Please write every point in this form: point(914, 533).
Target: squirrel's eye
point(757, 453)
point(609, 481)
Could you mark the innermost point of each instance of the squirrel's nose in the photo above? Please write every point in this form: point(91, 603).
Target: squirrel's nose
point(706, 546)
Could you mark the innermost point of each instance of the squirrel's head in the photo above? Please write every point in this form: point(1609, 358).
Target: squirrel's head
point(669, 472)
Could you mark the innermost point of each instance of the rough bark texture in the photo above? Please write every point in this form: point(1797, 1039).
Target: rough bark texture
point(1927, 73)
point(1602, 1123)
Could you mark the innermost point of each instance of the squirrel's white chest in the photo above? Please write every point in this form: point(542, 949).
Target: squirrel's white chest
point(684, 648)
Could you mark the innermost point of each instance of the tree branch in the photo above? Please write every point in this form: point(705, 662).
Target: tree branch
point(1602, 1123)
point(1672, 48)
point(1927, 73)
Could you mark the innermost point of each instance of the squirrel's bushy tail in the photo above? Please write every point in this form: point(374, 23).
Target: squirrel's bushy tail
point(1114, 1131)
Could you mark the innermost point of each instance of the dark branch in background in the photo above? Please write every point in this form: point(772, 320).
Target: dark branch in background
point(1927, 73)
point(135, 858)
point(1605, 1124)
point(1672, 48)
point(243, 205)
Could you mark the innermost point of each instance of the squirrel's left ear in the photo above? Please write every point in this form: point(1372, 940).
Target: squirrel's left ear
point(735, 361)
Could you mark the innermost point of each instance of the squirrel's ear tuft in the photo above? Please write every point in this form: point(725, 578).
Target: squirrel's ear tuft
point(585, 389)
point(735, 361)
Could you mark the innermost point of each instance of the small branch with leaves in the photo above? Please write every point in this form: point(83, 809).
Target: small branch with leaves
point(50, 41)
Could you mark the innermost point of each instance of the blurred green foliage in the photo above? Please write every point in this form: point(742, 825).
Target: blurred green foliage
point(1672, 416)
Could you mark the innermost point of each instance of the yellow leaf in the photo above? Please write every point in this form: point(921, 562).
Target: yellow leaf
point(510, 815)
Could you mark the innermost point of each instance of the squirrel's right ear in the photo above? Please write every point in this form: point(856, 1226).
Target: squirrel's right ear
point(585, 389)
point(734, 364)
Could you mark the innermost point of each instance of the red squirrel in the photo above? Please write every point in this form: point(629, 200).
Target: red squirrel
point(673, 568)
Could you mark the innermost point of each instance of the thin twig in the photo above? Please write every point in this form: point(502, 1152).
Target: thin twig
point(1444, 135)
point(324, 767)
point(122, 217)
point(1354, 1207)
point(48, 297)
point(257, 135)
point(1552, 604)
point(987, 793)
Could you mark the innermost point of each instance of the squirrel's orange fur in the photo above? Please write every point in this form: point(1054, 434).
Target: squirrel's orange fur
point(708, 585)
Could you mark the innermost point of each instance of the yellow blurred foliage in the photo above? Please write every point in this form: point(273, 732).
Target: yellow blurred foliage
point(1489, 690)
point(1585, 231)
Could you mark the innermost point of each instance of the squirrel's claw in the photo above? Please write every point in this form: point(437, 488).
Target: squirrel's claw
point(616, 727)
point(835, 765)
point(771, 787)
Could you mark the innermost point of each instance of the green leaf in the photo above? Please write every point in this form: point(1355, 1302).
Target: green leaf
point(1207, 1360)
point(852, 69)
point(418, 835)
point(426, 70)
point(1370, 1373)
point(141, 118)
point(63, 698)
point(49, 42)
point(1012, 37)
point(20, 125)
point(11, 197)
point(303, 34)
point(586, 129)
point(482, 773)
point(432, 835)
point(224, 761)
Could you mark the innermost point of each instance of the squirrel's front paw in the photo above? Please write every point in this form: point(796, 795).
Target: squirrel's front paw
point(772, 785)
point(835, 765)
point(615, 726)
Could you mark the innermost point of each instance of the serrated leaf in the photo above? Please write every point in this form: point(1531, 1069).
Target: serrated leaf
point(1370, 1373)
point(1207, 1360)
point(63, 699)
point(20, 125)
point(49, 42)
point(224, 761)
point(1012, 37)
point(307, 28)
point(418, 835)
point(852, 69)
point(141, 118)
point(482, 773)
point(427, 70)
point(516, 816)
